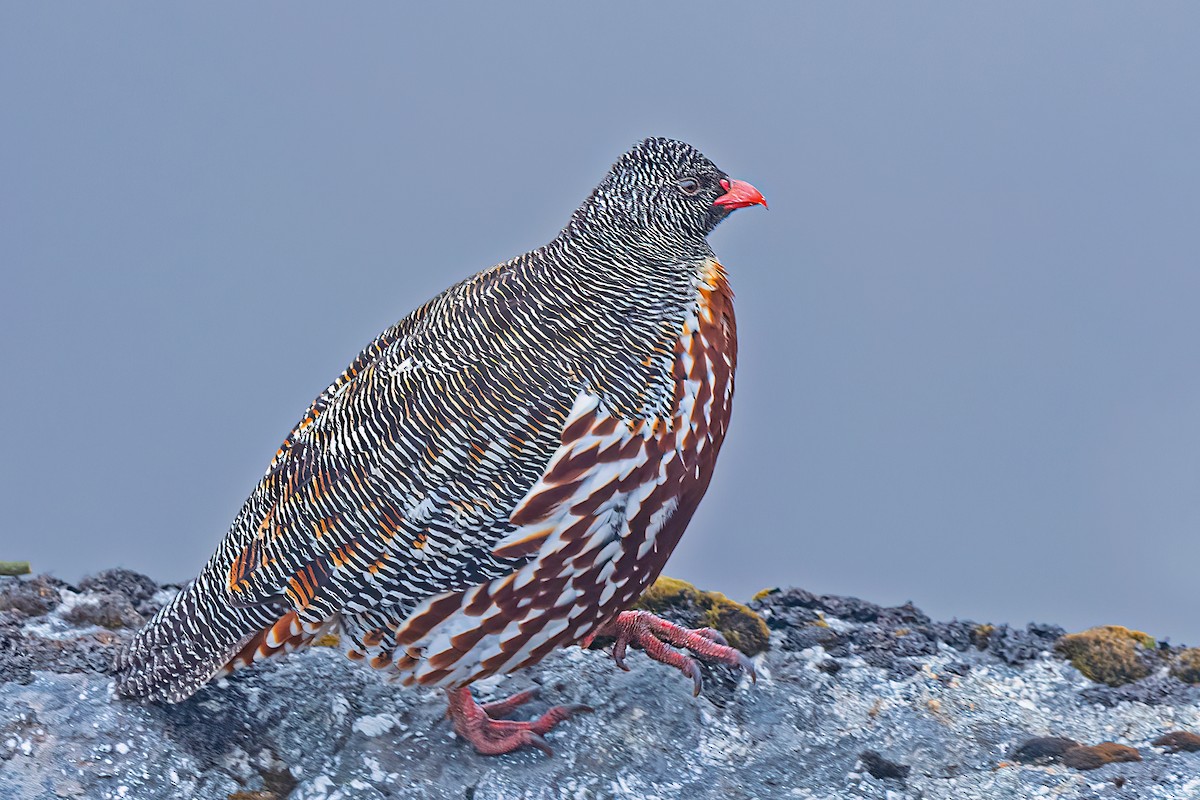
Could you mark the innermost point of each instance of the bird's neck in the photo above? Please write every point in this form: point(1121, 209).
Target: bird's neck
point(632, 259)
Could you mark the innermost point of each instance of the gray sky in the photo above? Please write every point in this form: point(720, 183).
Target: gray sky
point(968, 323)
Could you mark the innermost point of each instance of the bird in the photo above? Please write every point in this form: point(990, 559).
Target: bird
point(500, 474)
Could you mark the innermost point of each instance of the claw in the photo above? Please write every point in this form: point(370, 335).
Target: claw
point(533, 740)
point(619, 653)
point(747, 666)
point(693, 671)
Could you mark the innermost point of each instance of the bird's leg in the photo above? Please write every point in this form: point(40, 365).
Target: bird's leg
point(656, 636)
point(478, 724)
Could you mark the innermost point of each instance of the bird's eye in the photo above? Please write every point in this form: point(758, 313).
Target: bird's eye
point(688, 186)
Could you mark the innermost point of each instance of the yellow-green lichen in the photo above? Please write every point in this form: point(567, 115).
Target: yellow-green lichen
point(1108, 654)
point(765, 593)
point(744, 629)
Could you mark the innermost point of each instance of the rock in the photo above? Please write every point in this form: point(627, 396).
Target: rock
point(879, 703)
point(1155, 689)
point(136, 587)
point(106, 610)
point(880, 767)
point(21, 654)
point(831, 666)
point(1019, 646)
point(1179, 742)
point(33, 598)
point(1096, 756)
point(1043, 750)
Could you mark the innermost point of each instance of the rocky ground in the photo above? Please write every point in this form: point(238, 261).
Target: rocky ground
point(852, 701)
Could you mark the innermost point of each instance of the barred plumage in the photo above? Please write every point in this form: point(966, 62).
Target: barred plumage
point(502, 472)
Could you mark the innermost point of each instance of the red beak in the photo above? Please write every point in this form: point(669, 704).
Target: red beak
point(739, 194)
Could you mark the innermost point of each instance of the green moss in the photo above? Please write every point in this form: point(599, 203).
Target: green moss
point(1108, 654)
point(1144, 639)
point(1186, 665)
point(744, 629)
point(764, 594)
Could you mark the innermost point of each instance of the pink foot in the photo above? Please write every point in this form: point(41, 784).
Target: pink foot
point(478, 724)
point(655, 635)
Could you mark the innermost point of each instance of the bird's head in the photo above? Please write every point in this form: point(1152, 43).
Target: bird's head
point(668, 189)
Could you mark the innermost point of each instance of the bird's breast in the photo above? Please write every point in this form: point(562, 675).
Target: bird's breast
point(597, 527)
point(641, 467)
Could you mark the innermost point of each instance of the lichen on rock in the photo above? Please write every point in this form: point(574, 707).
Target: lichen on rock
point(1109, 654)
point(1186, 665)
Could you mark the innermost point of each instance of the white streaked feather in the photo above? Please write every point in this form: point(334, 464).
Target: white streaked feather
point(610, 526)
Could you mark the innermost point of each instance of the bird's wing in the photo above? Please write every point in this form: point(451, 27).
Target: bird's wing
point(401, 477)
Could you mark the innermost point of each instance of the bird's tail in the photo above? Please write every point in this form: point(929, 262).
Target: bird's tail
point(193, 638)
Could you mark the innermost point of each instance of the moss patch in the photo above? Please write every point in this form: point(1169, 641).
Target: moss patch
point(1108, 654)
point(744, 629)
